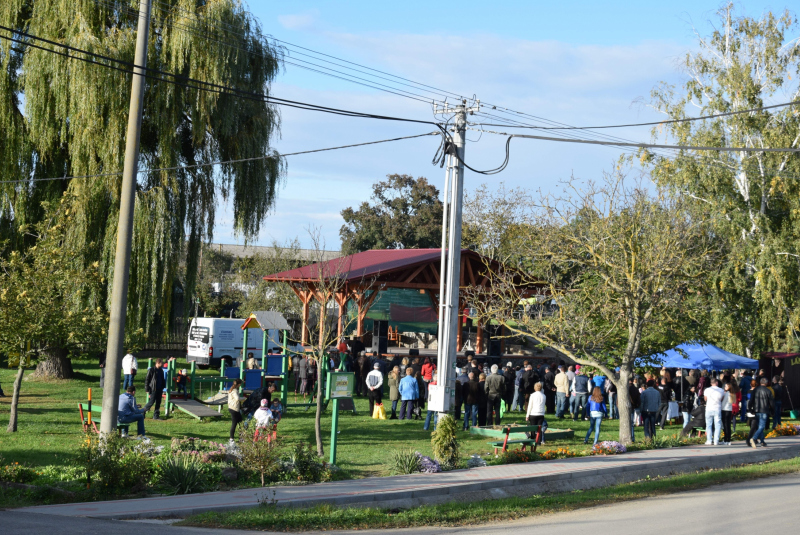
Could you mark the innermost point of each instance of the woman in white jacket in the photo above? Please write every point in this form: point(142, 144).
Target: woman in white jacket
point(536, 408)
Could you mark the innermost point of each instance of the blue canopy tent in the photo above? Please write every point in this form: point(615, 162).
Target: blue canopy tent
point(702, 357)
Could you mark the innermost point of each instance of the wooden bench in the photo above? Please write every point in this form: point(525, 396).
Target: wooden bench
point(524, 441)
point(83, 409)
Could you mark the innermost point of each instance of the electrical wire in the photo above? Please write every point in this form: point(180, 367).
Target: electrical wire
point(208, 164)
point(646, 145)
point(654, 123)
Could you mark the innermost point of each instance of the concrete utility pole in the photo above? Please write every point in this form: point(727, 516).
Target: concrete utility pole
point(122, 259)
point(443, 395)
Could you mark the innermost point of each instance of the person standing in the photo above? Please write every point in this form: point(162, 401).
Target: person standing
point(427, 371)
point(537, 404)
point(597, 409)
point(777, 389)
point(510, 377)
point(549, 389)
point(744, 389)
point(612, 399)
point(519, 396)
point(495, 387)
point(461, 379)
point(128, 412)
point(154, 384)
point(561, 383)
point(651, 399)
point(394, 392)
point(409, 392)
point(580, 389)
point(634, 405)
point(470, 394)
point(713, 396)
point(482, 399)
point(296, 358)
point(234, 407)
point(102, 360)
point(129, 367)
point(728, 401)
point(302, 375)
point(761, 405)
point(250, 363)
point(529, 378)
point(374, 384)
point(665, 390)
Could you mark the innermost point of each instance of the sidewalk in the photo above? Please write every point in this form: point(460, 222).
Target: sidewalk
point(461, 485)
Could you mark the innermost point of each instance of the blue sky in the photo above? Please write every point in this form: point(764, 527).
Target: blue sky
point(575, 62)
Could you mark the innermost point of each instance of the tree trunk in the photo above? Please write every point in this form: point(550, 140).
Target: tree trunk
point(55, 365)
point(624, 406)
point(318, 417)
point(12, 418)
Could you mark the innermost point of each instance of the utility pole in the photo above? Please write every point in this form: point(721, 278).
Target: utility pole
point(450, 273)
point(122, 259)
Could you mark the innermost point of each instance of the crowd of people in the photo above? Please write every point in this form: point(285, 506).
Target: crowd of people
point(706, 401)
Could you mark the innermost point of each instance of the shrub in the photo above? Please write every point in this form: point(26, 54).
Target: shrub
point(518, 456)
point(182, 474)
point(258, 453)
point(15, 472)
point(405, 462)
point(445, 442)
point(113, 464)
point(304, 464)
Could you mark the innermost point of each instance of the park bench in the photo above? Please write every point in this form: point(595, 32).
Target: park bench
point(83, 409)
point(524, 441)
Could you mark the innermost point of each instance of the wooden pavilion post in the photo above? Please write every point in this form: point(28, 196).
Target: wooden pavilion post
point(460, 331)
point(305, 297)
point(479, 338)
point(341, 299)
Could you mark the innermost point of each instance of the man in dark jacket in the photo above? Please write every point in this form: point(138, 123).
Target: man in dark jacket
point(495, 388)
point(550, 389)
point(510, 377)
point(529, 378)
point(761, 404)
point(744, 388)
point(154, 384)
point(461, 379)
point(665, 389)
point(470, 393)
point(580, 389)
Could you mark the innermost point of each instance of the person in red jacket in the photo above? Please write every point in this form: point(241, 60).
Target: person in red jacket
point(428, 369)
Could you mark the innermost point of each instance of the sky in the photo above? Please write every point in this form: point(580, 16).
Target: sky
point(579, 63)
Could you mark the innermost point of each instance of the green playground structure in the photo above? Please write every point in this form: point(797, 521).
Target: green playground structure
point(274, 368)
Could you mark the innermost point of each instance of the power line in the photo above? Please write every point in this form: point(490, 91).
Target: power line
point(182, 80)
point(644, 145)
point(194, 166)
point(654, 123)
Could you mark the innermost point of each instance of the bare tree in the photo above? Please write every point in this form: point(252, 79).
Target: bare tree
point(626, 268)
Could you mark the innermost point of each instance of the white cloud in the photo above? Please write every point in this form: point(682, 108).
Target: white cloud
point(579, 85)
point(300, 21)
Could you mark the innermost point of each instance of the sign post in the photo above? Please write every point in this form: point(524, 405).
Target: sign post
point(339, 386)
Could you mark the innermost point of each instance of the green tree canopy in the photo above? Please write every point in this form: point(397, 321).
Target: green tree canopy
point(746, 63)
point(404, 214)
point(62, 117)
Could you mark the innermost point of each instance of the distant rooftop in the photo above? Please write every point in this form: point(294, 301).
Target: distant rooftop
point(246, 251)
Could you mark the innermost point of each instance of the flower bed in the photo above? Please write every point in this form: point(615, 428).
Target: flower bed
point(786, 430)
point(608, 447)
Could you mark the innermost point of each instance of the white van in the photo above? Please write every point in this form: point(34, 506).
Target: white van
point(212, 340)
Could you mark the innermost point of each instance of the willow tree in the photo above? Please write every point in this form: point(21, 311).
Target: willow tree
point(745, 63)
point(64, 117)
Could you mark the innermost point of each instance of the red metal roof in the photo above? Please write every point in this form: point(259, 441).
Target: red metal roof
point(359, 266)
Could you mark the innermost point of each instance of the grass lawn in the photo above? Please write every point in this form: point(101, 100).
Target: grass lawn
point(484, 512)
point(50, 431)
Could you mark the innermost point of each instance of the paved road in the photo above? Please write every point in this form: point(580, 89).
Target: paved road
point(759, 507)
point(742, 508)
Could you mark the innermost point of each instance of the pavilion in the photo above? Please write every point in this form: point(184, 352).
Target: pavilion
point(360, 277)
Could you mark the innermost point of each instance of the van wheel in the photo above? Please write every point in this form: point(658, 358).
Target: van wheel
point(228, 362)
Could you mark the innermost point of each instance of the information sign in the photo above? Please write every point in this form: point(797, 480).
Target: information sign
point(340, 385)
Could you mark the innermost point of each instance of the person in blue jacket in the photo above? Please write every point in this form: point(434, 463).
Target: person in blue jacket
point(597, 409)
point(128, 412)
point(409, 392)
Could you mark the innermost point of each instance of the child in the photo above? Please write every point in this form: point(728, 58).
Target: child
point(181, 380)
point(277, 411)
point(263, 418)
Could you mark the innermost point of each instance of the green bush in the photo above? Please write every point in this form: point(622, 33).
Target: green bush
point(405, 462)
point(114, 465)
point(445, 442)
point(15, 472)
point(517, 456)
point(182, 474)
point(305, 464)
point(259, 454)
